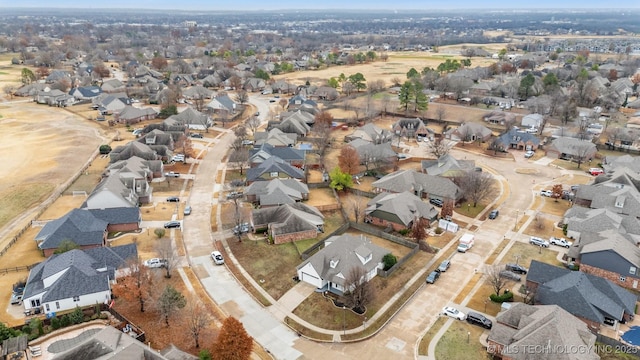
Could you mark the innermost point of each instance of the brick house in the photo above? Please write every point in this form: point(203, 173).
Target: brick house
point(78, 225)
point(533, 332)
point(398, 211)
point(422, 185)
point(287, 223)
point(571, 149)
point(592, 299)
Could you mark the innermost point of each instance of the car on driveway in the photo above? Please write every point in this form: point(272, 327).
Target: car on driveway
point(529, 154)
point(173, 199)
point(493, 214)
point(518, 269)
point(453, 312)
point(510, 275)
point(172, 174)
point(436, 202)
point(172, 224)
point(217, 257)
point(16, 299)
point(234, 195)
point(479, 319)
point(547, 193)
point(560, 242)
point(534, 240)
point(444, 266)
point(187, 210)
point(596, 171)
point(241, 229)
point(196, 136)
point(433, 277)
point(155, 263)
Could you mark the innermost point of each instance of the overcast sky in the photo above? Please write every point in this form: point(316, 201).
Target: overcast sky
point(324, 4)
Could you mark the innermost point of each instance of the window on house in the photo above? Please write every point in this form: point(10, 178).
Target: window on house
point(76, 298)
point(632, 270)
point(623, 278)
point(57, 305)
point(46, 307)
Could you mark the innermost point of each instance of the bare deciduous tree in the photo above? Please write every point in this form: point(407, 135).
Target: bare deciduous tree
point(438, 147)
point(164, 249)
point(441, 112)
point(538, 221)
point(240, 158)
point(493, 278)
point(242, 97)
point(359, 291)
point(196, 319)
point(357, 204)
point(253, 123)
point(476, 186)
point(583, 149)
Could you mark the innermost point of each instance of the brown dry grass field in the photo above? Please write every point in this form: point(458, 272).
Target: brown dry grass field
point(397, 66)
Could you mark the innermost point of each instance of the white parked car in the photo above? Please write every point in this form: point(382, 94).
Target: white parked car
point(560, 242)
point(453, 312)
point(217, 258)
point(548, 193)
point(534, 240)
point(529, 154)
point(155, 263)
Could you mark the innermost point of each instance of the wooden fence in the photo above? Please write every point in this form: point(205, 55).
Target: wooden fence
point(141, 335)
point(18, 268)
point(611, 346)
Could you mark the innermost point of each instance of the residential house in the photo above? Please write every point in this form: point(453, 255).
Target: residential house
point(58, 75)
point(182, 80)
point(532, 121)
point(398, 210)
point(480, 89)
point(193, 119)
point(54, 97)
point(222, 104)
point(254, 84)
point(276, 192)
point(76, 278)
point(135, 148)
point(580, 220)
point(330, 268)
point(292, 156)
point(84, 93)
point(469, 131)
point(525, 327)
point(371, 133)
point(119, 219)
point(447, 166)
point(612, 163)
point(157, 137)
point(275, 137)
point(272, 168)
point(78, 225)
point(422, 185)
point(375, 154)
point(567, 148)
point(135, 174)
point(500, 117)
point(131, 115)
point(296, 123)
point(608, 254)
point(111, 104)
point(299, 102)
point(592, 299)
point(615, 192)
point(289, 222)
point(108, 343)
point(325, 93)
point(197, 92)
point(410, 128)
point(112, 86)
point(283, 87)
point(516, 139)
point(31, 90)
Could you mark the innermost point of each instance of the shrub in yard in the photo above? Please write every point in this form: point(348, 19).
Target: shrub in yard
point(389, 260)
point(564, 229)
point(404, 232)
point(65, 321)
point(26, 329)
point(105, 149)
point(55, 323)
point(159, 233)
point(439, 230)
point(76, 316)
point(204, 355)
point(506, 297)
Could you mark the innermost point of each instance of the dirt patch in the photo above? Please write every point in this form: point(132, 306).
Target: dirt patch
point(528, 171)
point(321, 196)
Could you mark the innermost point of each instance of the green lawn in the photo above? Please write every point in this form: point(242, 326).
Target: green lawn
point(467, 209)
point(461, 341)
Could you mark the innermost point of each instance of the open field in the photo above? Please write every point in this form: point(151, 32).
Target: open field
point(396, 66)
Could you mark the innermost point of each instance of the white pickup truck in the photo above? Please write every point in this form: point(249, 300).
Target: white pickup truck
point(466, 243)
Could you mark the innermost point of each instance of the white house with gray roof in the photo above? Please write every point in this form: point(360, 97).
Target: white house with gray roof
point(275, 137)
point(329, 268)
point(398, 210)
point(277, 192)
point(75, 278)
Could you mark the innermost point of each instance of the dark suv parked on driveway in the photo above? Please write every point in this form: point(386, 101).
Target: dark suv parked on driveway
point(518, 269)
point(479, 319)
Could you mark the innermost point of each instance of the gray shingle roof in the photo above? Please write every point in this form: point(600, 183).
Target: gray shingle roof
point(413, 181)
point(120, 215)
point(572, 146)
point(274, 165)
point(81, 272)
point(78, 225)
point(447, 165)
point(288, 218)
point(404, 206)
point(266, 151)
point(583, 295)
point(344, 250)
point(278, 191)
point(524, 327)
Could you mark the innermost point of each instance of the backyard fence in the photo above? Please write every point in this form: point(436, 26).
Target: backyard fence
point(140, 334)
point(613, 345)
